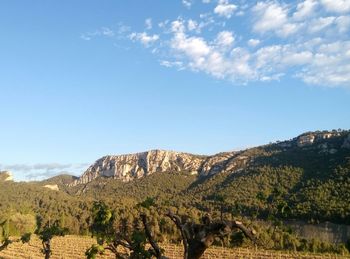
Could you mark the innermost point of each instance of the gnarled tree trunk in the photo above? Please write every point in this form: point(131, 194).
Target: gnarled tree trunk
point(198, 237)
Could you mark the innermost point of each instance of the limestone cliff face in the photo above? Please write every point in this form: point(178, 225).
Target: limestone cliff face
point(128, 167)
point(224, 162)
point(309, 138)
point(133, 166)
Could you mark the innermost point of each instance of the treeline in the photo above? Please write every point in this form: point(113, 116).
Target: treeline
point(308, 184)
point(148, 223)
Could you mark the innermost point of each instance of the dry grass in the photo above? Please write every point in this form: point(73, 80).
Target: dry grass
point(74, 247)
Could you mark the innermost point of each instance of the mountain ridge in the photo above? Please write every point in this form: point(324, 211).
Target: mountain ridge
point(127, 167)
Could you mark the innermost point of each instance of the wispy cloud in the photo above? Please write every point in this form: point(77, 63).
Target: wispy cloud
point(255, 41)
point(187, 3)
point(148, 24)
point(144, 38)
point(42, 170)
point(109, 32)
point(337, 6)
point(225, 8)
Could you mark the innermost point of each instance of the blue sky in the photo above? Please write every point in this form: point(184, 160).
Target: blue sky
point(83, 79)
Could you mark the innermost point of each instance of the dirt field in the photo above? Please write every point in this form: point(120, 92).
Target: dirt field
point(73, 247)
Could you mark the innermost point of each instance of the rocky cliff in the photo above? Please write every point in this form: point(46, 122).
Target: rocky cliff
point(133, 166)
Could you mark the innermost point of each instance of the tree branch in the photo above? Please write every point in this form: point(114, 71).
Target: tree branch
point(247, 232)
point(157, 251)
point(176, 219)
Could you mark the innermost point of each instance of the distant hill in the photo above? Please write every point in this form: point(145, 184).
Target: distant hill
point(61, 181)
point(306, 178)
point(133, 166)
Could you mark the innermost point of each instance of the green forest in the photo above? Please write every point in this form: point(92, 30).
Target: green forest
point(281, 184)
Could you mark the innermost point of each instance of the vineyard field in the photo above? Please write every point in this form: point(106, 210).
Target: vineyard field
point(74, 247)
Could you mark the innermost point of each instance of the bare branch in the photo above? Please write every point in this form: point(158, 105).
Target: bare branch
point(251, 234)
point(176, 219)
point(157, 251)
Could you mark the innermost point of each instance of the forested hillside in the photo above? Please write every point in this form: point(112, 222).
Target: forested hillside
point(295, 179)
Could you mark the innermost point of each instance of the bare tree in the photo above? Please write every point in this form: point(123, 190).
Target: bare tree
point(198, 237)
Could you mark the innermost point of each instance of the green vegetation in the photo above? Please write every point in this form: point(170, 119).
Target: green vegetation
point(280, 183)
point(111, 234)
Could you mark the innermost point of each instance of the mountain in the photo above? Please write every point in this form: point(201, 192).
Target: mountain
point(59, 182)
point(305, 178)
point(134, 166)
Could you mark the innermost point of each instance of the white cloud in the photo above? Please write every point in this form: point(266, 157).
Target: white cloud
point(148, 24)
point(253, 42)
point(300, 39)
point(337, 6)
point(306, 58)
point(297, 58)
point(177, 26)
point(225, 39)
point(85, 37)
point(343, 23)
point(305, 9)
point(240, 13)
point(187, 3)
point(192, 25)
point(225, 9)
point(320, 24)
point(107, 32)
point(329, 68)
point(144, 38)
point(104, 31)
point(272, 16)
point(288, 29)
point(194, 47)
point(269, 16)
point(167, 63)
point(42, 170)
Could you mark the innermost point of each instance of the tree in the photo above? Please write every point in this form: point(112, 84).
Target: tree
point(110, 238)
point(4, 238)
point(46, 236)
point(198, 237)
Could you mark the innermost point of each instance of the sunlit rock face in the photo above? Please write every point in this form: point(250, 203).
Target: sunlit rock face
point(305, 140)
point(133, 166)
point(310, 138)
point(53, 187)
point(128, 167)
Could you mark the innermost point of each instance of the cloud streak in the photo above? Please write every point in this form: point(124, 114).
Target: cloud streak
point(260, 41)
point(42, 170)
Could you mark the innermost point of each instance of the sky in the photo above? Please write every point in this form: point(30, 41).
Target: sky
point(87, 78)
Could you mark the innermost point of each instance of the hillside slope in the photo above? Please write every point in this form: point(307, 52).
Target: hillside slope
point(307, 178)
